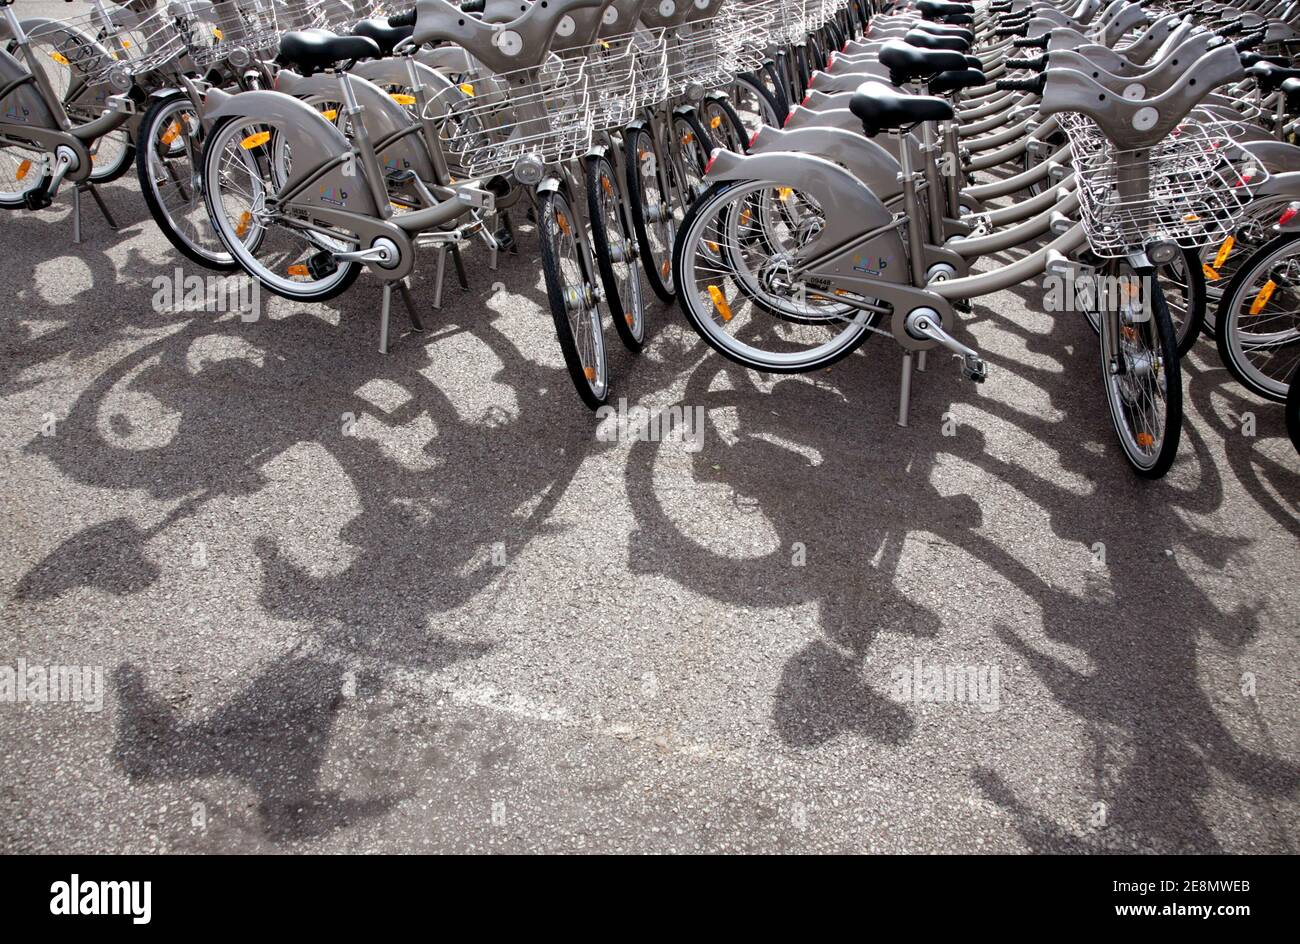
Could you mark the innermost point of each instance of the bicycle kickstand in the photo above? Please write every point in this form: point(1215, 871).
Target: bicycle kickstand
point(417, 325)
point(76, 209)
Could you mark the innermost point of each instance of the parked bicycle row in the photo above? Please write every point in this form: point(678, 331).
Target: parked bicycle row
point(799, 175)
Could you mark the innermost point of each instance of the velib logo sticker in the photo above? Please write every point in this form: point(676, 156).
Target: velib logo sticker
point(334, 195)
point(102, 898)
point(870, 264)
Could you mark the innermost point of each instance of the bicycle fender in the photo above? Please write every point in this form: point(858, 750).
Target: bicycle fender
point(857, 211)
point(866, 159)
point(314, 143)
point(384, 118)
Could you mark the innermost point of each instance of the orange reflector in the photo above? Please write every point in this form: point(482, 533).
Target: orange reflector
point(1190, 218)
point(562, 222)
point(1145, 440)
point(217, 34)
point(642, 154)
point(713, 247)
point(298, 270)
point(467, 89)
point(784, 193)
point(631, 322)
point(1221, 256)
point(715, 121)
point(329, 114)
point(589, 373)
point(720, 302)
point(1211, 274)
point(255, 140)
point(60, 58)
point(171, 133)
point(23, 168)
point(242, 226)
point(1262, 298)
point(605, 184)
point(663, 269)
point(744, 216)
point(688, 137)
point(403, 99)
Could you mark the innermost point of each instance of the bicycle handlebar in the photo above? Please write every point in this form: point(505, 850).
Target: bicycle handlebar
point(1034, 85)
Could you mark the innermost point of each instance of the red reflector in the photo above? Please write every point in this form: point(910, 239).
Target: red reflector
point(1288, 215)
point(712, 157)
point(754, 137)
point(805, 99)
point(788, 116)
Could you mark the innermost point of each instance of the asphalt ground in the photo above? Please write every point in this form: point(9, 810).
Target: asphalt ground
point(349, 602)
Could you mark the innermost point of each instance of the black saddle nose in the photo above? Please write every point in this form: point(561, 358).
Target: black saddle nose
point(925, 40)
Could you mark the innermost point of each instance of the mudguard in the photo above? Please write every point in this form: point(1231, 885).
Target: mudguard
point(857, 210)
point(23, 104)
point(314, 143)
point(864, 158)
point(385, 119)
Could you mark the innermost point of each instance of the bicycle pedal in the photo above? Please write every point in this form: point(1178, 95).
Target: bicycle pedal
point(974, 368)
point(37, 199)
point(505, 240)
point(964, 305)
point(322, 265)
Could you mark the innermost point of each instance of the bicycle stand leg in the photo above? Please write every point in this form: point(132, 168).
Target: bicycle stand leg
point(383, 317)
point(920, 362)
point(76, 215)
point(905, 389)
point(438, 275)
point(103, 207)
point(461, 276)
point(416, 324)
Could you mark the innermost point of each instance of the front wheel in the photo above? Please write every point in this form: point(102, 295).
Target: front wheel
point(1140, 370)
point(652, 215)
point(615, 253)
point(570, 289)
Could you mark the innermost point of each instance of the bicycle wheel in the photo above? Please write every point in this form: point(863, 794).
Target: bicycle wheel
point(1183, 284)
point(168, 164)
point(731, 262)
point(1182, 281)
point(244, 160)
point(22, 170)
point(725, 127)
point(1258, 321)
point(652, 217)
point(754, 104)
point(567, 269)
point(612, 243)
point(692, 145)
point(1140, 369)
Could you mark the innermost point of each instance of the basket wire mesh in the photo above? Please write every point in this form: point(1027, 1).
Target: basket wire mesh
point(95, 47)
point(1191, 188)
point(486, 126)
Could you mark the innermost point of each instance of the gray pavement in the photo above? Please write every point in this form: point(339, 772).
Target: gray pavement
point(347, 602)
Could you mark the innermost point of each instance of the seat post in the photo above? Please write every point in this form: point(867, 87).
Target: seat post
point(912, 207)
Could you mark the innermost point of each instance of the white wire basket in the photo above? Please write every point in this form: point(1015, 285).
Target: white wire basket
point(1191, 188)
point(252, 25)
point(98, 50)
point(624, 73)
point(487, 126)
point(709, 53)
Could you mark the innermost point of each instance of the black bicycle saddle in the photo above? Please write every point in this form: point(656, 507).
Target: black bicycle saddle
point(881, 108)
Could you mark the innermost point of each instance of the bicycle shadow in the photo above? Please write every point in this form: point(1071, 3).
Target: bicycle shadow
point(871, 491)
point(199, 413)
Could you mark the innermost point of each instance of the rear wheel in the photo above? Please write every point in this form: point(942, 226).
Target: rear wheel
point(245, 160)
point(725, 127)
point(732, 266)
point(1258, 322)
point(22, 170)
point(169, 166)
